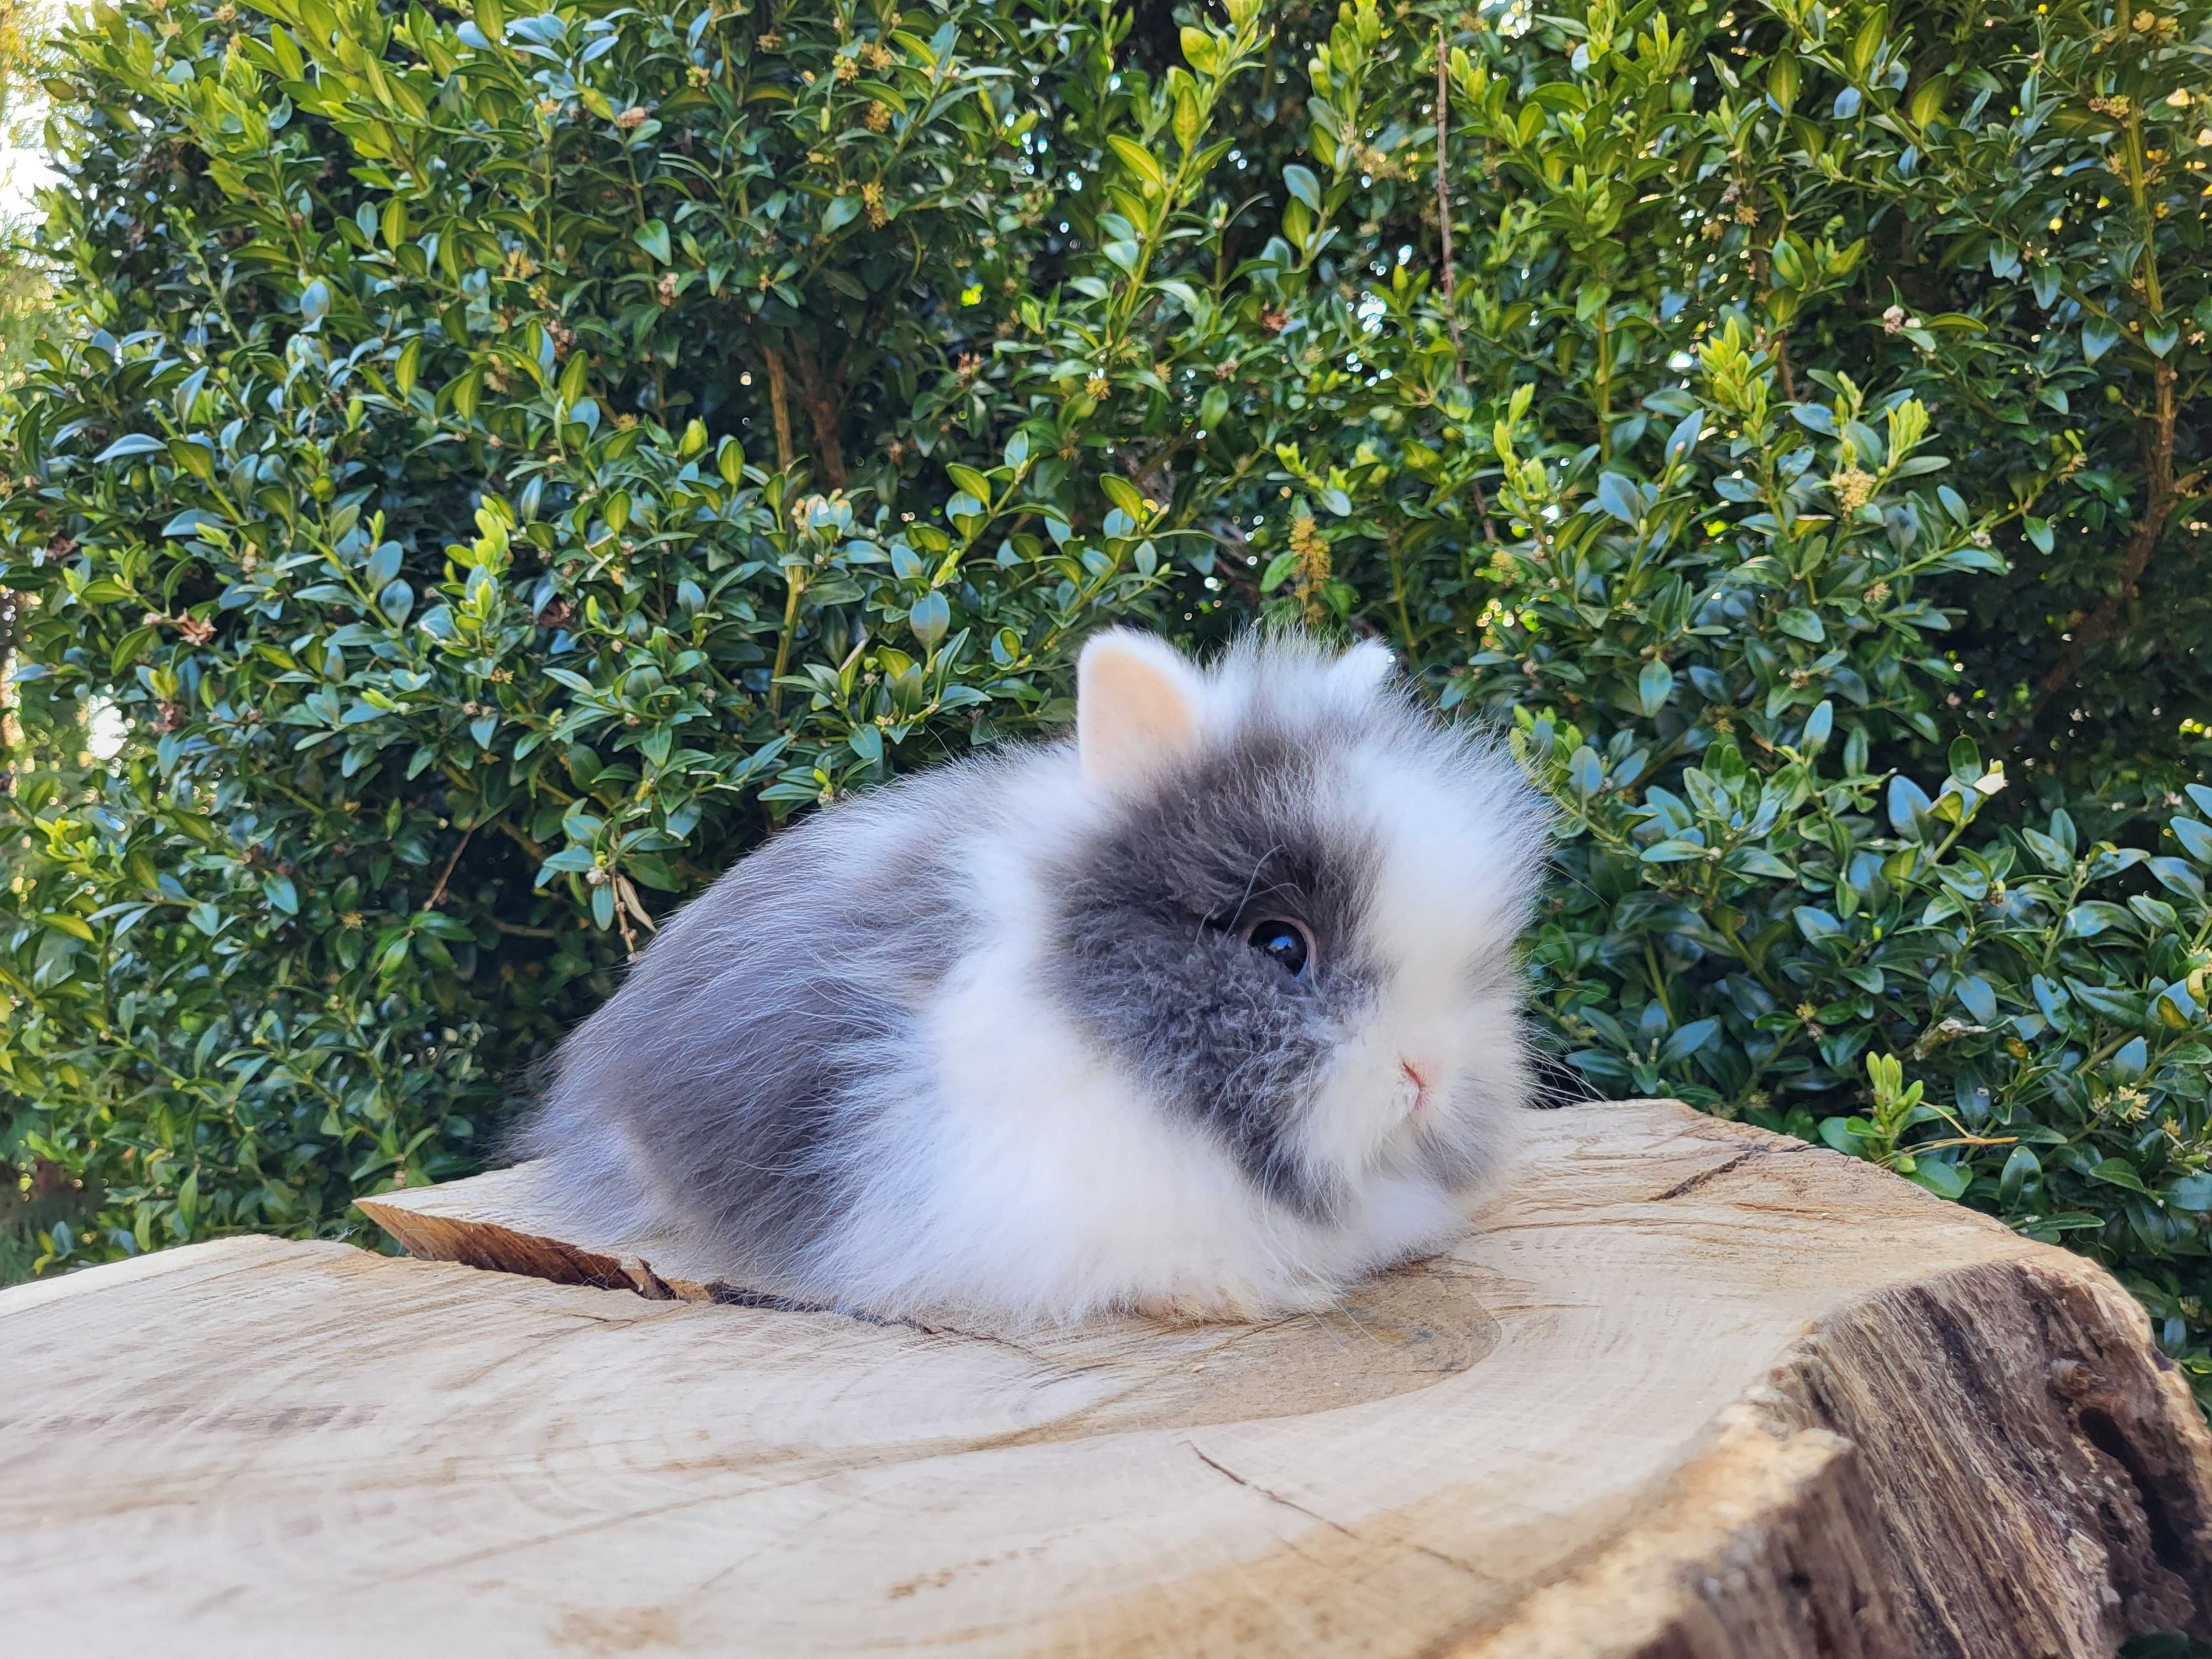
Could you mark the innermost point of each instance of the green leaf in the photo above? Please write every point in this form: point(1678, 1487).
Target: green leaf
point(1908, 806)
point(137, 443)
point(1800, 623)
point(1138, 160)
point(1124, 495)
point(1586, 773)
point(2177, 878)
point(1816, 924)
point(2021, 1167)
point(2196, 839)
point(929, 617)
point(2116, 1172)
point(1837, 1132)
point(1944, 1180)
point(967, 478)
point(1978, 999)
point(1687, 1040)
point(1620, 497)
point(2193, 1193)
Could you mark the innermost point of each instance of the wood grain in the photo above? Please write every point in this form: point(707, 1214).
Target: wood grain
point(1690, 1390)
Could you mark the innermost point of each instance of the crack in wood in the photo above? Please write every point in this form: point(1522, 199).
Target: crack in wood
point(1681, 1189)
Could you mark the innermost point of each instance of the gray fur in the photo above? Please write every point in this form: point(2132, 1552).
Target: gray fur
point(1152, 960)
point(727, 1089)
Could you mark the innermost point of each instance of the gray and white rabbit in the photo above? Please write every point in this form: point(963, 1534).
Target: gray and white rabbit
point(1203, 1014)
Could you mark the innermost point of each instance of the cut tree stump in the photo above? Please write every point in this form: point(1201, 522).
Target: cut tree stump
point(1691, 1389)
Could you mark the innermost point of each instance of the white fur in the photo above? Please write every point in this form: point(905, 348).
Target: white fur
point(1038, 1181)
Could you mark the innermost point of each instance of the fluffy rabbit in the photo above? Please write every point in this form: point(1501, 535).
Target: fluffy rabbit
point(1203, 1014)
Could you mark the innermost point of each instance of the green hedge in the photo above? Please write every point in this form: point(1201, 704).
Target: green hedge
point(496, 468)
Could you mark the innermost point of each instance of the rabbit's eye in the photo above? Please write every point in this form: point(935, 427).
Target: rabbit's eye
point(1285, 941)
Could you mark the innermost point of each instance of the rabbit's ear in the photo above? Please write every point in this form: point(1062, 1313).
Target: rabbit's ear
point(1363, 670)
point(1137, 707)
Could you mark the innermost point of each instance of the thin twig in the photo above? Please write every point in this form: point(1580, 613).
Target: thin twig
point(2163, 494)
point(438, 892)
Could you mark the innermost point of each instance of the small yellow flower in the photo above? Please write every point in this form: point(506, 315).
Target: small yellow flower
point(876, 56)
point(847, 69)
point(1853, 488)
point(697, 76)
point(1096, 385)
point(631, 118)
point(878, 116)
point(1314, 564)
point(872, 198)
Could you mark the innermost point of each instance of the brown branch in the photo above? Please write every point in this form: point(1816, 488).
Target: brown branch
point(1482, 506)
point(2163, 491)
point(1781, 344)
point(1443, 199)
point(438, 893)
point(1154, 476)
point(11, 617)
point(520, 838)
point(822, 412)
point(778, 405)
point(1443, 231)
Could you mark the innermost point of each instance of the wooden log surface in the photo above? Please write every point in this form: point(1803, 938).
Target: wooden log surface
point(1689, 1390)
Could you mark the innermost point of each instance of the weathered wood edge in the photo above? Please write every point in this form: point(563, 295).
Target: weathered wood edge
point(431, 1222)
point(1993, 1462)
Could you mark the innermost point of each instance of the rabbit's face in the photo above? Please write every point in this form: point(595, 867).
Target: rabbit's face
point(1296, 924)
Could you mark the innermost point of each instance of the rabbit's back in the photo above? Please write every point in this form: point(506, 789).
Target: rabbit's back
point(730, 1090)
